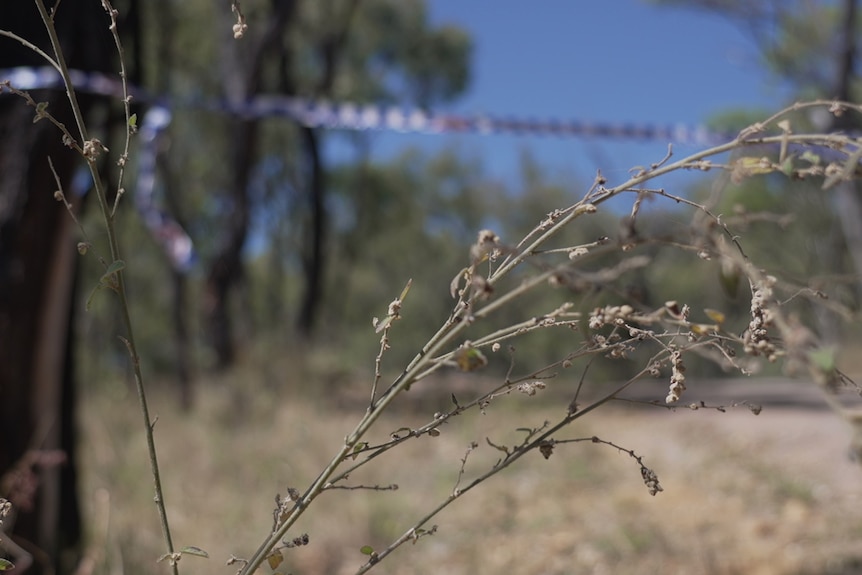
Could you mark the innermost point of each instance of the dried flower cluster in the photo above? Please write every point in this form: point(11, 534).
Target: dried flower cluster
point(5, 509)
point(531, 387)
point(677, 377)
point(611, 314)
point(651, 480)
point(756, 339)
point(487, 246)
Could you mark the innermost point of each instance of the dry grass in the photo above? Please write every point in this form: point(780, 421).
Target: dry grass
point(772, 494)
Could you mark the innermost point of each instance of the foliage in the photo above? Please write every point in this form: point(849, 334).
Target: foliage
point(812, 50)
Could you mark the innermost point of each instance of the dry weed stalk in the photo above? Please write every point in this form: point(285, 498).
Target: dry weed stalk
point(481, 290)
point(90, 149)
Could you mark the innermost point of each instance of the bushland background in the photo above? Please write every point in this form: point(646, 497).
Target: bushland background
point(261, 350)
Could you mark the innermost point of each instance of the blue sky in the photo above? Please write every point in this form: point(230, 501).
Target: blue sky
point(608, 61)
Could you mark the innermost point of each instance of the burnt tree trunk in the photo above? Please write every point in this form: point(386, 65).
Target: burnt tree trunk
point(37, 271)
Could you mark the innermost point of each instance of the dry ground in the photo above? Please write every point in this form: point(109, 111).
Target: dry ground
point(768, 494)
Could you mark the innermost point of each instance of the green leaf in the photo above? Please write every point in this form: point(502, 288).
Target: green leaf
point(92, 295)
point(6, 565)
point(115, 267)
point(367, 550)
point(787, 167)
point(823, 359)
point(810, 157)
point(197, 551)
point(133, 121)
point(470, 359)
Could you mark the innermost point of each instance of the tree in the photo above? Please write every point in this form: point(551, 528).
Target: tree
point(329, 50)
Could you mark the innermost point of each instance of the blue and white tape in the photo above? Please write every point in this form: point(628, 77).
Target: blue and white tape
point(355, 116)
point(327, 115)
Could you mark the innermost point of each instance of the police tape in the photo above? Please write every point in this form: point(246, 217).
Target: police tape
point(363, 117)
point(324, 115)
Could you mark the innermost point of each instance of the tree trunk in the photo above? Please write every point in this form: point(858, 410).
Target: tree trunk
point(242, 78)
point(37, 272)
point(314, 253)
point(227, 270)
point(313, 257)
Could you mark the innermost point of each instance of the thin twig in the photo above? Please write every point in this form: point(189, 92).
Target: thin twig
point(129, 340)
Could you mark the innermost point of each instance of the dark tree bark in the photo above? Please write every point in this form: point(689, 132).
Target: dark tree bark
point(37, 272)
point(314, 254)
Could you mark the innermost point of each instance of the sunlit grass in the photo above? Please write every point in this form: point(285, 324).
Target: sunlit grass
point(742, 493)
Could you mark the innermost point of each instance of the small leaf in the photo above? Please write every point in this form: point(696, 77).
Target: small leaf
point(133, 121)
point(41, 111)
point(470, 359)
point(358, 448)
point(810, 157)
point(382, 324)
point(109, 278)
point(787, 167)
point(715, 315)
point(92, 295)
point(754, 166)
point(703, 328)
point(823, 359)
point(197, 551)
point(405, 290)
point(6, 565)
point(274, 559)
point(455, 284)
point(367, 550)
point(115, 266)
